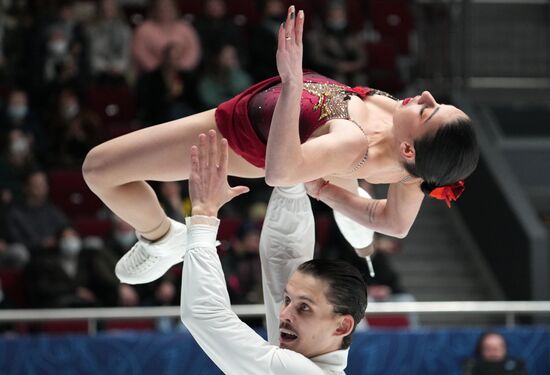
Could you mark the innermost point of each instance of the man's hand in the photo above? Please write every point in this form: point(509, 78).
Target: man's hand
point(208, 186)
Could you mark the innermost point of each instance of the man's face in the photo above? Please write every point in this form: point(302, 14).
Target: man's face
point(37, 187)
point(493, 348)
point(307, 323)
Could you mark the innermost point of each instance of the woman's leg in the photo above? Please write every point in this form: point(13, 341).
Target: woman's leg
point(116, 170)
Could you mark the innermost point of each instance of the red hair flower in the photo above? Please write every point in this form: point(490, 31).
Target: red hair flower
point(448, 193)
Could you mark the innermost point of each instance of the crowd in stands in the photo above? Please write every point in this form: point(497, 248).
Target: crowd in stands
point(76, 73)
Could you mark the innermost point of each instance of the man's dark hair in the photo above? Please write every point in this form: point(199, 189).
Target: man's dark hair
point(347, 291)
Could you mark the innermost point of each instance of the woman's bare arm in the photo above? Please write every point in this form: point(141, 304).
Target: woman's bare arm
point(393, 216)
point(287, 161)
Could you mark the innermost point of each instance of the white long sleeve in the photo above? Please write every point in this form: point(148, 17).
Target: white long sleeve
point(233, 346)
point(287, 240)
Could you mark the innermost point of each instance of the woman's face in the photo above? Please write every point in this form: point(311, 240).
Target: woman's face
point(415, 117)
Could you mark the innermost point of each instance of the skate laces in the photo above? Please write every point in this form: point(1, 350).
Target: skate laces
point(138, 257)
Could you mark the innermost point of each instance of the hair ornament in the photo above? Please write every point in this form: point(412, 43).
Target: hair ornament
point(448, 193)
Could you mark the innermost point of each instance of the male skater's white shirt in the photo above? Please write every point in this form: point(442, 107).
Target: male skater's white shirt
point(287, 240)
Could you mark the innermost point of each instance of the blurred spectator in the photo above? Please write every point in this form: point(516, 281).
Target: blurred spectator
point(223, 78)
point(217, 29)
point(110, 38)
point(241, 265)
point(18, 115)
point(163, 93)
point(96, 272)
point(4, 24)
point(171, 200)
point(15, 42)
point(64, 52)
point(16, 160)
point(160, 292)
point(164, 27)
point(491, 358)
point(120, 240)
point(74, 130)
point(6, 303)
point(263, 44)
point(7, 25)
point(35, 222)
point(335, 50)
point(385, 285)
point(53, 278)
point(122, 237)
point(13, 255)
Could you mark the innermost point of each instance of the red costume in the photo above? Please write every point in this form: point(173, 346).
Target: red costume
point(245, 119)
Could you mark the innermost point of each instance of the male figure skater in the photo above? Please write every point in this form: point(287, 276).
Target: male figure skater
point(312, 308)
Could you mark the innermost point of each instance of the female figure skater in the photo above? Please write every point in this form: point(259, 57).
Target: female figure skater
point(318, 129)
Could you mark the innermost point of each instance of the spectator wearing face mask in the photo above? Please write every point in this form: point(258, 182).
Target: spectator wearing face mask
point(162, 292)
point(18, 115)
point(121, 238)
point(263, 43)
point(75, 130)
point(59, 52)
point(335, 50)
point(16, 160)
point(53, 277)
point(110, 41)
point(95, 272)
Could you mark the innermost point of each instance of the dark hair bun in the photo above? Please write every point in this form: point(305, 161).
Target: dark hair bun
point(446, 155)
point(427, 187)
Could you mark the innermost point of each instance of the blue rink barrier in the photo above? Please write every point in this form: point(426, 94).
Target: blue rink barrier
point(422, 352)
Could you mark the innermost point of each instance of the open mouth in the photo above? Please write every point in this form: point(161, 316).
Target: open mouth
point(287, 336)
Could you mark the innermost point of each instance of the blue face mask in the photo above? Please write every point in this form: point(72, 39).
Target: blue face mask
point(18, 112)
point(125, 239)
point(336, 25)
point(70, 246)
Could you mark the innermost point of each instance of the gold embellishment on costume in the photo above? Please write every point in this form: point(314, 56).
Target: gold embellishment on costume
point(382, 93)
point(332, 100)
point(333, 104)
